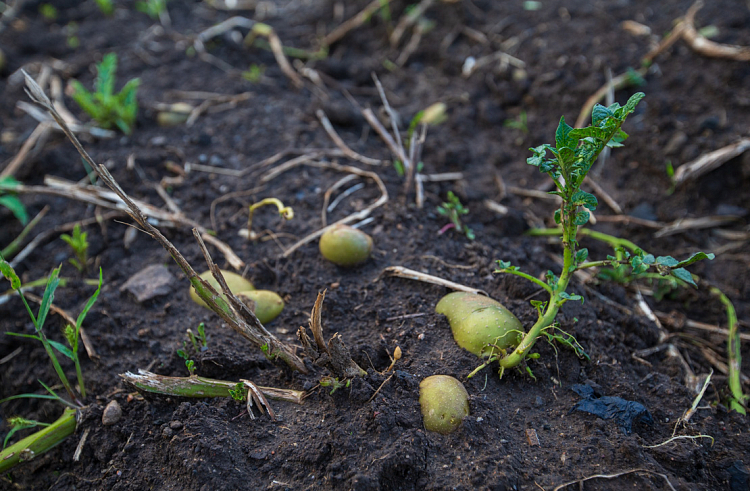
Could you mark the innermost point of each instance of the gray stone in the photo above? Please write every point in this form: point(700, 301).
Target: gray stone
point(150, 282)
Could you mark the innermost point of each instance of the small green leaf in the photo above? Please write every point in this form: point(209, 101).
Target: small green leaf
point(61, 348)
point(668, 261)
point(562, 136)
point(10, 274)
point(582, 198)
point(581, 256)
point(698, 256)
point(567, 296)
point(632, 102)
point(581, 218)
point(684, 275)
point(49, 294)
point(16, 207)
point(599, 114)
point(558, 217)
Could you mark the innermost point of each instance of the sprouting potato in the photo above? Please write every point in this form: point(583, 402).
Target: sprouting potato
point(266, 304)
point(444, 402)
point(235, 282)
point(478, 323)
point(345, 246)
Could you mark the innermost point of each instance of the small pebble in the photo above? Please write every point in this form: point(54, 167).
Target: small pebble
point(167, 432)
point(175, 425)
point(112, 413)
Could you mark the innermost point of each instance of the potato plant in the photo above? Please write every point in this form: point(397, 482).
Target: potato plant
point(572, 156)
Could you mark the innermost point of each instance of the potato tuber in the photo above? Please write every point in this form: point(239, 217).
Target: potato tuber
point(345, 246)
point(444, 402)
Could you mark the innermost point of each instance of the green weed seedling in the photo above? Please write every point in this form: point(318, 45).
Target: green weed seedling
point(10, 201)
point(572, 156)
point(520, 123)
point(153, 8)
point(200, 342)
point(103, 105)
point(254, 73)
point(65, 425)
point(106, 7)
point(80, 247)
point(334, 383)
point(453, 209)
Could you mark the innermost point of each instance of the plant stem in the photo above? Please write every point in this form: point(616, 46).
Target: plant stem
point(569, 230)
point(39, 442)
point(199, 387)
point(609, 239)
point(530, 278)
point(734, 354)
point(79, 374)
point(11, 248)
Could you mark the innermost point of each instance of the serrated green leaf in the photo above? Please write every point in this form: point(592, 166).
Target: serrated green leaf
point(632, 103)
point(562, 136)
point(668, 261)
point(16, 207)
point(684, 275)
point(599, 114)
point(582, 198)
point(9, 273)
point(581, 218)
point(698, 256)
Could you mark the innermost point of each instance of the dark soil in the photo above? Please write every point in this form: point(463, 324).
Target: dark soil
point(346, 440)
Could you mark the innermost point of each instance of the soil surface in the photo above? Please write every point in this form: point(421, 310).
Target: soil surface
point(355, 438)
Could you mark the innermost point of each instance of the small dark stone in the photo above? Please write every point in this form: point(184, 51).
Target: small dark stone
point(167, 432)
point(175, 425)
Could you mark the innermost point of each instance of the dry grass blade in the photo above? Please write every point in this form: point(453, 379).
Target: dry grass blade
point(612, 476)
point(410, 274)
point(246, 324)
point(333, 355)
point(328, 127)
point(354, 22)
point(39, 134)
point(685, 224)
point(705, 47)
point(407, 20)
point(255, 394)
point(710, 161)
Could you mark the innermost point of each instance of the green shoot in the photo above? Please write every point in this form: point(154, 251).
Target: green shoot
point(10, 201)
point(284, 211)
point(334, 383)
point(18, 424)
point(153, 8)
point(738, 398)
point(106, 7)
point(107, 108)
point(453, 209)
point(80, 247)
point(573, 154)
point(190, 364)
point(48, 11)
point(520, 123)
point(200, 343)
point(254, 74)
point(40, 318)
point(238, 392)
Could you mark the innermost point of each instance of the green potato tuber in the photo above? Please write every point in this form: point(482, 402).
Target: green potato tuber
point(479, 323)
point(444, 402)
point(345, 246)
point(235, 282)
point(266, 304)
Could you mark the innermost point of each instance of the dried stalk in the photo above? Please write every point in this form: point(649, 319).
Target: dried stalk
point(701, 45)
point(200, 387)
point(232, 311)
point(410, 274)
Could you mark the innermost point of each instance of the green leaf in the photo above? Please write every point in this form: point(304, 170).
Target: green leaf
point(61, 348)
point(684, 275)
point(10, 274)
point(105, 80)
point(29, 396)
point(668, 261)
point(562, 136)
point(20, 335)
point(630, 105)
point(49, 295)
point(590, 132)
point(582, 255)
point(599, 114)
point(16, 207)
point(698, 256)
point(582, 198)
point(567, 296)
point(558, 217)
point(581, 218)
